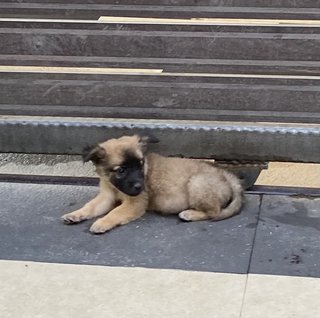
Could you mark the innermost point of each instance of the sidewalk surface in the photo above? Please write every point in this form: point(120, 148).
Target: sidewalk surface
point(264, 262)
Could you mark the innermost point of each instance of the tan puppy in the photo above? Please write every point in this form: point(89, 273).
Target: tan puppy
point(132, 182)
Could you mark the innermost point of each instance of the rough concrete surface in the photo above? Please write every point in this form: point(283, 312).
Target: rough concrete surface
point(278, 173)
point(32, 230)
point(45, 165)
point(282, 238)
point(30, 290)
point(287, 238)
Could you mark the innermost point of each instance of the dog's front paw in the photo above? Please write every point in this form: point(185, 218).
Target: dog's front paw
point(100, 226)
point(72, 218)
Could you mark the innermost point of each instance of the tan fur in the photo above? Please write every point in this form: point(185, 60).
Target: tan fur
point(193, 189)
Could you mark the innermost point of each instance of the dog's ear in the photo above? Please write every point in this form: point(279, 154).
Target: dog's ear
point(145, 140)
point(93, 153)
point(148, 139)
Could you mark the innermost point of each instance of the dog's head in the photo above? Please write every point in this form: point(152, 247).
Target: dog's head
point(121, 161)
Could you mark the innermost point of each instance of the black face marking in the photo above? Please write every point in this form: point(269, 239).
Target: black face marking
point(129, 176)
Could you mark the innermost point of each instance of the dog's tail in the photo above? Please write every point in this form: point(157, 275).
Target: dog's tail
point(237, 199)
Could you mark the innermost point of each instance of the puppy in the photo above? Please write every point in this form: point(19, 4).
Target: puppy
point(132, 182)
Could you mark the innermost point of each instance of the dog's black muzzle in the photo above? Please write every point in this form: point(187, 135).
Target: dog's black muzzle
point(133, 189)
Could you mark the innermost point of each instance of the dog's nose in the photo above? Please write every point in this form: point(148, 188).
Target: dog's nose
point(137, 186)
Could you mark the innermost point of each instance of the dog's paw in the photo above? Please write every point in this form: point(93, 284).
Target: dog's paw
point(193, 215)
point(186, 215)
point(100, 226)
point(72, 218)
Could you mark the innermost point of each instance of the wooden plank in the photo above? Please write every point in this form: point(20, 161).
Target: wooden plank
point(222, 66)
point(165, 113)
point(162, 9)
point(142, 71)
point(166, 21)
point(210, 21)
point(155, 43)
point(78, 70)
point(213, 3)
point(94, 25)
point(158, 96)
point(49, 20)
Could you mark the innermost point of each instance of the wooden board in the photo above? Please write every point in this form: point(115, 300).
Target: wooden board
point(222, 66)
point(162, 9)
point(209, 21)
point(160, 96)
point(82, 73)
point(162, 41)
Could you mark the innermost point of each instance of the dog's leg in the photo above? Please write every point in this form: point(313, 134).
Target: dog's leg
point(204, 204)
point(101, 204)
point(121, 215)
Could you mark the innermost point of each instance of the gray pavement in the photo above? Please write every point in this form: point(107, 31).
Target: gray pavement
point(287, 239)
point(273, 235)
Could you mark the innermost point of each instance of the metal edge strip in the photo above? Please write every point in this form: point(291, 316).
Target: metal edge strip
point(261, 127)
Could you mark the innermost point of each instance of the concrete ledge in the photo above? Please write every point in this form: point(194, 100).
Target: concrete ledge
point(201, 139)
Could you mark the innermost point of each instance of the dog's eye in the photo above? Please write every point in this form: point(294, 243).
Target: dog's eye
point(119, 171)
